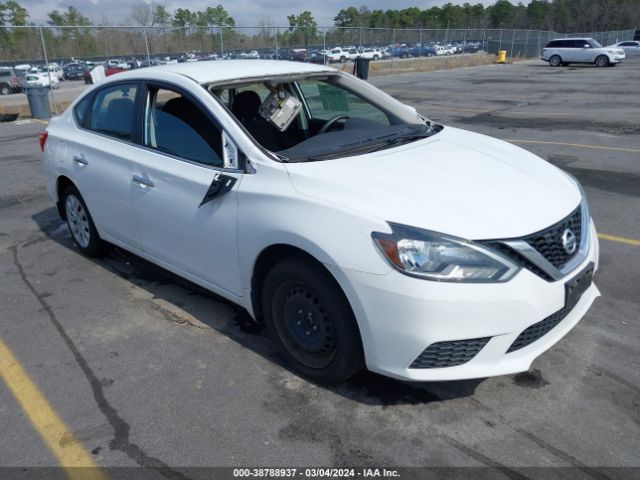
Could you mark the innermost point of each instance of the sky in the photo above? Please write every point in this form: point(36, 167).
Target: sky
point(245, 12)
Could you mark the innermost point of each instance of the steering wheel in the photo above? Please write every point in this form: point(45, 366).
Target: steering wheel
point(331, 121)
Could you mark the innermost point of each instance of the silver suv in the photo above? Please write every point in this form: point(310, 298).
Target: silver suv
point(9, 81)
point(564, 51)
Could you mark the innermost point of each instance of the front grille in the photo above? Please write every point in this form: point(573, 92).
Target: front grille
point(518, 259)
point(449, 354)
point(549, 242)
point(537, 330)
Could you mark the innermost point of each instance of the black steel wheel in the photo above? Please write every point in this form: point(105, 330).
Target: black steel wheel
point(310, 320)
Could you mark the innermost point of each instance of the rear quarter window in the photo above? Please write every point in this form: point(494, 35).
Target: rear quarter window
point(81, 111)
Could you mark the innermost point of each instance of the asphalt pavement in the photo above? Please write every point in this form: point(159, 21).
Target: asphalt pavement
point(146, 369)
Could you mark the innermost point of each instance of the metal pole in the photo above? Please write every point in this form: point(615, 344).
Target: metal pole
point(513, 41)
point(277, 33)
point(393, 57)
point(46, 61)
point(146, 45)
point(420, 48)
point(464, 44)
point(324, 45)
point(221, 42)
point(526, 46)
point(500, 46)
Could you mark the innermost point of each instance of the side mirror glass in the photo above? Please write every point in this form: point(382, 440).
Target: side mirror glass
point(586, 45)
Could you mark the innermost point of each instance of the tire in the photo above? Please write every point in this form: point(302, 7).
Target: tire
point(602, 61)
point(555, 61)
point(310, 321)
point(343, 59)
point(376, 58)
point(4, 89)
point(80, 223)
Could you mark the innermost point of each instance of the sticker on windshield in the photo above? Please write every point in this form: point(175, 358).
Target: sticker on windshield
point(333, 99)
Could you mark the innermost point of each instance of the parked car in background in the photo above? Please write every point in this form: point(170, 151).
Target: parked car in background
point(445, 50)
point(401, 51)
point(371, 54)
point(41, 80)
point(339, 55)
point(563, 51)
point(631, 48)
point(55, 70)
point(74, 70)
point(10, 82)
point(422, 51)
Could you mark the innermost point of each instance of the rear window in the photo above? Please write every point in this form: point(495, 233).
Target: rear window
point(113, 111)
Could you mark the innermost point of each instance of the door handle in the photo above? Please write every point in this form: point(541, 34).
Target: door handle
point(79, 158)
point(142, 181)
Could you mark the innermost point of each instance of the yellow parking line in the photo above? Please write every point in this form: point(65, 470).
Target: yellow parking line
point(56, 435)
point(577, 145)
point(613, 238)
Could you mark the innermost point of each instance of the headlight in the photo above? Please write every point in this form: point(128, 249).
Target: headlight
point(439, 257)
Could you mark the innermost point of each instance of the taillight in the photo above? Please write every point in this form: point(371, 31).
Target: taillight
point(42, 137)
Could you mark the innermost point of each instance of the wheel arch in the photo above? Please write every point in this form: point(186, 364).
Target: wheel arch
point(269, 257)
point(61, 185)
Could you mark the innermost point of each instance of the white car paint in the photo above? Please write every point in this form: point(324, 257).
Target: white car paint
point(631, 47)
point(41, 80)
point(455, 182)
point(580, 50)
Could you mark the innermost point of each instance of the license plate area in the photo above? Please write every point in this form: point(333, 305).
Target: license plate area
point(579, 284)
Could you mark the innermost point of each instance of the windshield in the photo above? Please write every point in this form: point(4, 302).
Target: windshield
point(322, 117)
point(594, 44)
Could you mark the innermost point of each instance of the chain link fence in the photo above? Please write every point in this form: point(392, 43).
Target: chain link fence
point(35, 45)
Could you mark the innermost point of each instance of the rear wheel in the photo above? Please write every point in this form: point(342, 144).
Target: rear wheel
point(376, 58)
point(602, 61)
point(343, 59)
point(555, 61)
point(81, 224)
point(310, 320)
point(4, 89)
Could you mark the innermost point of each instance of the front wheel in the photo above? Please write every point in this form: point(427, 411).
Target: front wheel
point(602, 61)
point(311, 322)
point(80, 223)
point(4, 89)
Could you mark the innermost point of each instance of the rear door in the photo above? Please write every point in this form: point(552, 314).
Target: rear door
point(181, 158)
point(99, 158)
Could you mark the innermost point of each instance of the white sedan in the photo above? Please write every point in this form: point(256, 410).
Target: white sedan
point(359, 232)
point(41, 80)
point(631, 48)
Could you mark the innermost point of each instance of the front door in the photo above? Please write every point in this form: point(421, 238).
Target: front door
point(180, 159)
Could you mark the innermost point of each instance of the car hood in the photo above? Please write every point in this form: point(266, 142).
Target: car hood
point(455, 182)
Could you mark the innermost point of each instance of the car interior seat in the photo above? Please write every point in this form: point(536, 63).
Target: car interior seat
point(245, 109)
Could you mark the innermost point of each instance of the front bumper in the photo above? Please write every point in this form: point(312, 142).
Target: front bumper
point(400, 316)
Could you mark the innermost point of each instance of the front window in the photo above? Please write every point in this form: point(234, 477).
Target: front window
point(320, 117)
point(176, 125)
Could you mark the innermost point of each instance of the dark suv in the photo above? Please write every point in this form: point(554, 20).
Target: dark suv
point(9, 81)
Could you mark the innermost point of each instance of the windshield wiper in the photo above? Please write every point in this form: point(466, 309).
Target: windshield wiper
point(400, 140)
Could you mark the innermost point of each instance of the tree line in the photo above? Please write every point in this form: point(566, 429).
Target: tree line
point(213, 28)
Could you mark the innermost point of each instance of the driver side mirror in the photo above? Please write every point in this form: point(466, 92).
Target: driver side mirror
point(586, 45)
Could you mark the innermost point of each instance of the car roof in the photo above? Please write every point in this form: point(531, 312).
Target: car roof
point(230, 70)
point(573, 38)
